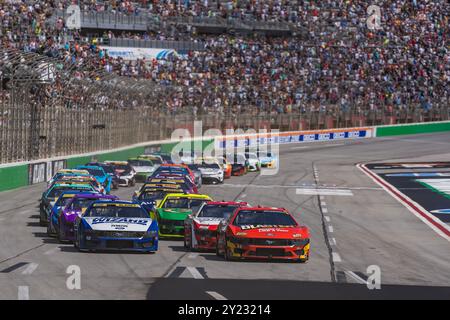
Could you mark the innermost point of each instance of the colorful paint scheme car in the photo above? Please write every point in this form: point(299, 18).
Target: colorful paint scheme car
point(267, 159)
point(125, 173)
point(174, 209)
point(51, 195)
point(200, 229)
point(59, 205)
point(74, 208)
point(116, 225)
point(99, 173)
point(263, 233)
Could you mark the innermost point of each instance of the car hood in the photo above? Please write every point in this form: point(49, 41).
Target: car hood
point(71, 216)
point(279, 232)
point(210, 171)
point(118, 224)
point(174, 214)
point(208, 221)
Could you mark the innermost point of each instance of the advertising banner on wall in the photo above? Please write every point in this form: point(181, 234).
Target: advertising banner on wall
point(139, 53)
point(44, 171)
point(254, 140)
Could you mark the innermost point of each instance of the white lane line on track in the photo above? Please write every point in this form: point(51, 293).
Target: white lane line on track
point(327, 218)
point(333, 241)
point(356, 277)
point(193, 256)
point(330, 229)
point(299, 148)
point(299, 186)
point(216, 295)
point(30, 269)
point(322, 198)
point(23, 293)
point(324, 192)
point(194, 272)
point(244, 196)
point(51, 251)
point(336, 257)
point(324, 210)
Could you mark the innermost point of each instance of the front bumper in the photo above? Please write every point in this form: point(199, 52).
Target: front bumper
point(205, 243)
point(120, 244)
point(268, 252)
point(142, 176)
point(172, 229)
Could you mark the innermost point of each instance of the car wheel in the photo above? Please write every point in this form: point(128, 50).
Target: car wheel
point(217, 247)
point(60, 234)
point(49, 230)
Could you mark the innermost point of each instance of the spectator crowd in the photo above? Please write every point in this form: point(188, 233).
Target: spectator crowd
point(342, 65)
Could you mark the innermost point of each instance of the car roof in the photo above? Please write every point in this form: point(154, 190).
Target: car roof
point(189, 195)
point(95, 195)
point(230, 203)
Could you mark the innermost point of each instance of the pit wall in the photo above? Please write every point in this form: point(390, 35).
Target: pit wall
point(18, 175)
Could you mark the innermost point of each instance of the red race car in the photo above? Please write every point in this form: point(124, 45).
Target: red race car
point(200, 230)
point(262, 233)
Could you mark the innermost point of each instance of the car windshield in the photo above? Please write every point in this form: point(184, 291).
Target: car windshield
point(210, 166)
point(264, 218)
point(96, 172)
point(251, 156)
point(108, 169)
point(156, 160)
point(112, 211)
point(215, 211)
point(193, 167)
point(124, 167)
point(56, 192)
point(153, 195)
point(63, 201)
point(82, 203)
point(184, 203)
point(140, 163)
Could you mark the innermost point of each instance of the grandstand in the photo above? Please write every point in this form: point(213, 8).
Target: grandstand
point(248, 63)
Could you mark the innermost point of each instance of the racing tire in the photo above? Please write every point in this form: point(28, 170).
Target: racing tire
point(49, 230)
point(132, 183)
point(217, 248)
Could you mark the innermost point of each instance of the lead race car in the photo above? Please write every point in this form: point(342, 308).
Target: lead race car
point(200, 229)
point(263, 233)
point(116, 225)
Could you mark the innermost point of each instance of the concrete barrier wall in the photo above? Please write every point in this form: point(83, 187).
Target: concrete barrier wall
point(18, 175)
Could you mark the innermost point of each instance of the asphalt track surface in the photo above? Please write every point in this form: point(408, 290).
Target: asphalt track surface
point(356, 226)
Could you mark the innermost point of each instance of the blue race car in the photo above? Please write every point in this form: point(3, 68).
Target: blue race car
point(116, 225)
point(100, 174)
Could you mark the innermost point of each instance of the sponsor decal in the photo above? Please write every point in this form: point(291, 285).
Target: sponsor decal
point(265, 228)
point(120, 220)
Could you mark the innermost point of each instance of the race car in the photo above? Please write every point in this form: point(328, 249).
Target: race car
point(263, 233)
point(211, 170)
point(75, 207)
point(55, 211)
point(175, 169)
point(267, 159)
point(226, 166)
point(125, 173)
point(110, 171)
point(83, 179)
point(66, 172)
point(239, 164)
point(144, 168)
point(253, 161)
point(156, 159)
point(52, 194)
point(169, 182)
point(200, 229)
point(99, 174)
point(173, 210)
point(152, 196)
point(197, 174)
point(116, 225)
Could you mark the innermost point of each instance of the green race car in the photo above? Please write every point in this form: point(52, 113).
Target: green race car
point(173, 210)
